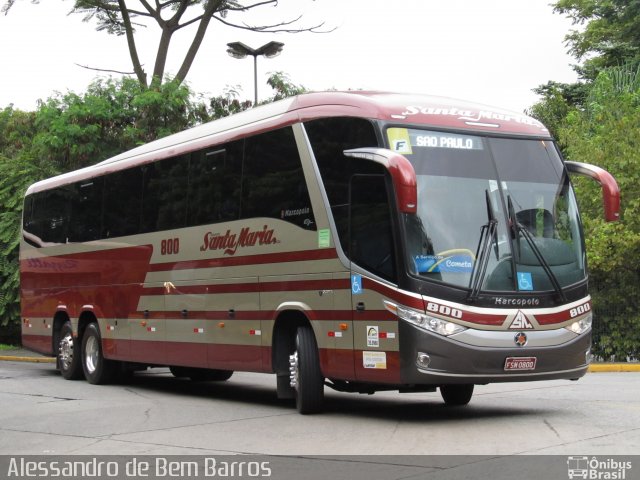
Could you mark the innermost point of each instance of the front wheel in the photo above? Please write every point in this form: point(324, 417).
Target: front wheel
point(68, 359)
point(456, 395)
point(97, 370)
point(306, 377)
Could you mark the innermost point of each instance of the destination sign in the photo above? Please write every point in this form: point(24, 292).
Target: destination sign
point(421, 138)
point(403, 140)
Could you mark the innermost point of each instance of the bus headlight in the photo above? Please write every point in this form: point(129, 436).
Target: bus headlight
point(426, 322)
point(582, 325)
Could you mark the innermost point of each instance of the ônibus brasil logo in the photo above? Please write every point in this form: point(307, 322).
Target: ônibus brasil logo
point(230, 242)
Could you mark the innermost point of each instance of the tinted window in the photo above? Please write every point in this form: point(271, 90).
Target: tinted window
point(214, 184)
point(329, 138)
point(86, 210)
point(50, 216)
point(122, 203)
point(273, 183)
point(165, 193)
point(371, 230)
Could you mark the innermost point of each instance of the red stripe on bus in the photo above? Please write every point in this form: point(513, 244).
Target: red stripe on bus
point(551, 318)
point(304, 255)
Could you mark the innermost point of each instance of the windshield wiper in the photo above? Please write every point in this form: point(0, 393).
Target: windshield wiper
point(487, 235)
point(517, 229)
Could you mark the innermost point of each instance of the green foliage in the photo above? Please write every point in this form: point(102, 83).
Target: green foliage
point(610, 36)
point(606, 133)
point(283, 86)
point(17, 173)
point(111, 117)
point(229, 103)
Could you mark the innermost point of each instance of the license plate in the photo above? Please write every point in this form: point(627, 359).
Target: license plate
point(520, 363)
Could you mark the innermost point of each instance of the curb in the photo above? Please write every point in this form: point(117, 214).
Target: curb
point(614, 367)
point(14, 358)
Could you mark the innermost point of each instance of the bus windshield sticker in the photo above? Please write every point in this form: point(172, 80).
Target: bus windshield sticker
point(525, 281)
point(376, 360)
point(399, 140)
point(324, 238)
point(442, 263)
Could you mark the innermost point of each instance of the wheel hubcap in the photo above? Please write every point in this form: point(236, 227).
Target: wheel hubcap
point(91, 354)
point(293, 370)
point(65, 351)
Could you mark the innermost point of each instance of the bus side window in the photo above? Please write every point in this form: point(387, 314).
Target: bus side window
point(214, 184)
point(273, 184)
point(371, 235)
point(50, 217)
point(329, 137)
point(122, 203)
point(86, 210)
point(165, 193)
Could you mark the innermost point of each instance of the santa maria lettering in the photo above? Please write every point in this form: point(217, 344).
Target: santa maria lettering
point(230, 242)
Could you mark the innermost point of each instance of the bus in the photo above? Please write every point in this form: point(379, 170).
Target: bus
point(363, 241)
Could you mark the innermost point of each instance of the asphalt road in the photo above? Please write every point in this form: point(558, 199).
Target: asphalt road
point(157, 414)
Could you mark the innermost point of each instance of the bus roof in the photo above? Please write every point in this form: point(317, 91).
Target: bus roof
point(428, 111)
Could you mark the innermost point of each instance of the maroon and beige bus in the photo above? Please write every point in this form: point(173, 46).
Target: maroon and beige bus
point(362, 241)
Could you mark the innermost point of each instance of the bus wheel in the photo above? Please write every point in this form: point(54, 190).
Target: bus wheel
point(68, 359)
point(97, 370)
point(306, 377)
point(456, 395)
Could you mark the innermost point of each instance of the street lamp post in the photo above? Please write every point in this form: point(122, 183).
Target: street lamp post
point(240, 50)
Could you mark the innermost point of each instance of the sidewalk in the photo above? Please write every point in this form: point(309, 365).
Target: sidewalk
point(23, 355)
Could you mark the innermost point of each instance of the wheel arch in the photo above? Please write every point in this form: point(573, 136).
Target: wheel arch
point(86, 317)
point(284, 336)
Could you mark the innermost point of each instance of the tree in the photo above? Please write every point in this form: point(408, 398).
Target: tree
point(606, 133)
point(610, 37)
point(18, 169)
point(118, 17)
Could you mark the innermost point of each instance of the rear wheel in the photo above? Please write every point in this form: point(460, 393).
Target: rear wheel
point(97, 369)
point(306, 377)
point(68, 358)
point(456, 395)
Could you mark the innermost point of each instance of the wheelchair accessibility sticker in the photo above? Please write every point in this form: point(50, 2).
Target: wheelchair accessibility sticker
point(356, 284)
point(525, 281)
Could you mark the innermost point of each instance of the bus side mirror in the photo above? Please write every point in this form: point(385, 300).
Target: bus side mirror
point(402, 174)
point(610, 189)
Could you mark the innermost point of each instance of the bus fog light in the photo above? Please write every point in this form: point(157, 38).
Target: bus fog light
point(423, 360)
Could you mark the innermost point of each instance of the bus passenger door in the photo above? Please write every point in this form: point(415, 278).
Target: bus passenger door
point(372, 254)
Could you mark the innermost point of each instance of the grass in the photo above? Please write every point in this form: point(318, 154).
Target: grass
point(4, 346)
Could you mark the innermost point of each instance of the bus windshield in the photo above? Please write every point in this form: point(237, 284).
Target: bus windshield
point(494, 214)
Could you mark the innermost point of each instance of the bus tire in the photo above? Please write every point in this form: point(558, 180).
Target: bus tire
point(68, 358)
point(456, 395)
point(306, 377)
point(97, 369)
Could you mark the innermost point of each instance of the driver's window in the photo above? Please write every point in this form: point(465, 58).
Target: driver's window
point(371, 235)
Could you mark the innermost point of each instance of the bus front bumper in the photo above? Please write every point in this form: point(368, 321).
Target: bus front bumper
point(431, 359)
